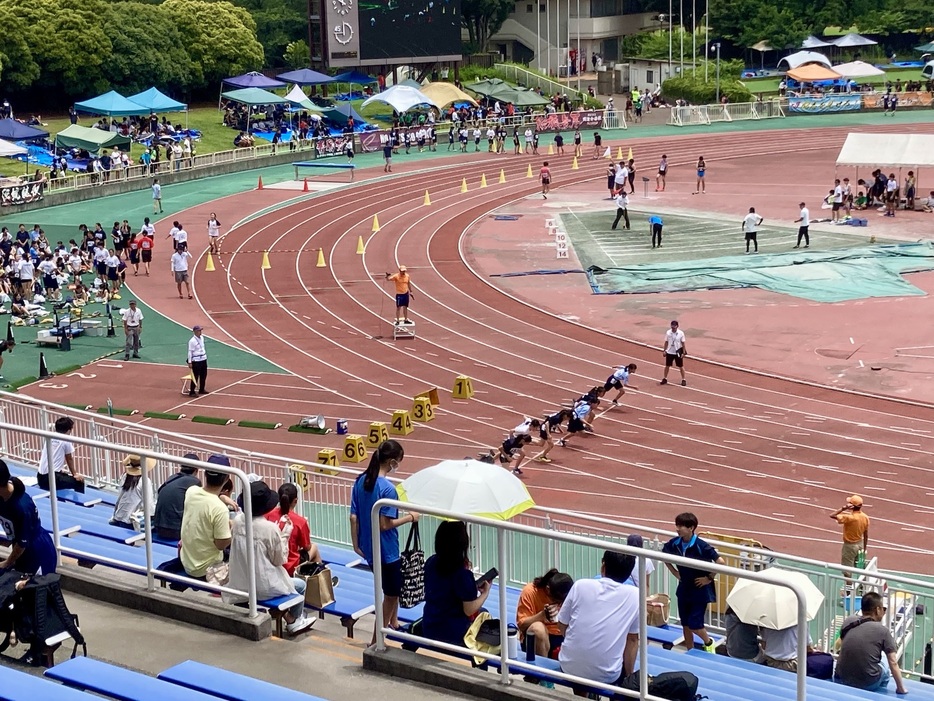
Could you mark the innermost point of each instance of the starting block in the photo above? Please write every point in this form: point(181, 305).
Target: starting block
point(328, 457)
point(377, 434)
point(400, 330)
point(188, 383)
point(463, 388)
point(401, 424)
point(421, 409)
point(354, 449)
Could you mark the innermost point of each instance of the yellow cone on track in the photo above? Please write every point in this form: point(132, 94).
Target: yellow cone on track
point(619, 153)
point(464, 185)
point(266, 265)
point(551, 150)
point(375, 224)
point(483, 180)
point(321, 263)
point(574, 165)
point(630, 154)
point(502, 176)
point(427, 202)
point(528, 173)
point(361, 249)
point(209, 265)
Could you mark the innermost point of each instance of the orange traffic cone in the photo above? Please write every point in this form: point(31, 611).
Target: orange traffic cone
point(259, 185)
point(305, 186)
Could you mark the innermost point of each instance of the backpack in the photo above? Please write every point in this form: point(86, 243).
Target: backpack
point(675, 686)
point(37, 612)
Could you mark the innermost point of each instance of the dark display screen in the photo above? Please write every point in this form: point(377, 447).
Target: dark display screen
point(396, 29)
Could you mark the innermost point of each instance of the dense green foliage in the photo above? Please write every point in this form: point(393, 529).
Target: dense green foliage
point(482, 19)
point(57, 50)
point(691, 85)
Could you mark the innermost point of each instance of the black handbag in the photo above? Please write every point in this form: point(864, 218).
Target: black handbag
point(489, 632)
point(413, 570)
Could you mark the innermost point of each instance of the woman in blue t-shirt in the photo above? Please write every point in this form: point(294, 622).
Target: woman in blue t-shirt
point(369, 488)
point(32, 550)
point(452, 596)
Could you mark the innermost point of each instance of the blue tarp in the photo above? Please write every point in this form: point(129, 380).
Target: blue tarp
point(354, 77)
point(112, 104)
point(305, 76)
point(11, 130)
point(821, 276)
point(156, 101)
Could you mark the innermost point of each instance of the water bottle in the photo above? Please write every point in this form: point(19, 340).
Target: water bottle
point(530, 648)
point(512, 642)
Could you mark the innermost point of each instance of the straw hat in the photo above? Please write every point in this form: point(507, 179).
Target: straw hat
point(133, 464)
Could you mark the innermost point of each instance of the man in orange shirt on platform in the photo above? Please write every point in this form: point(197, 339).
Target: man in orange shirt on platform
point(855, 531)
point(403, 293)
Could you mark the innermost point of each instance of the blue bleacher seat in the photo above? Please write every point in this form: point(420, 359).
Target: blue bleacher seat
point(335, 555)
point(668, 636)
point(81, 499)
point(19, 686)
point(353, 597)
point(92, 521)
point(96, 549)
point(107, 680)
point(229, 685)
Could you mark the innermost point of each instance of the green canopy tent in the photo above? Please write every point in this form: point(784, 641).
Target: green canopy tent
point(521, 97)
point(487, 88)
point(90, 139)
point(926, 48)
point(253, 97)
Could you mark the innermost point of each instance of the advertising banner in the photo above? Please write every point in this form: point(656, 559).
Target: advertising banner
point(21, 194)
point(905, 99)
point(330, 146)
point(569, 121)
point(819, 104)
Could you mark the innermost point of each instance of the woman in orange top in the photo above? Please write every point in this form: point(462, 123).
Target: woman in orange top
point(537, 610)
point(403, 293)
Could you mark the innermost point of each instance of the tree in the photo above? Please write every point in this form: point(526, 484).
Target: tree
point(219, 37)
point(296, 54)
point(18, 68)
point(278, 22)
point(483, 18)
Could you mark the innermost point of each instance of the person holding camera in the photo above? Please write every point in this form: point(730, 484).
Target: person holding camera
point(674, 351)
point(855, 531)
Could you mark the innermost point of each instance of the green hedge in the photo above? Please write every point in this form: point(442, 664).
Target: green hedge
point(700, 93)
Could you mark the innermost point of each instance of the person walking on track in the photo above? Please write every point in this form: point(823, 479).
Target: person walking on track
point(751, 224)
point(803, 221)
point(674, 351)
point(156, 197)
point(403, 294)
point(180, 270)
point(622, 208)
point(214, 233)
point(545, 176)
point(197, 362)
point(132, 328)
point(662, 172)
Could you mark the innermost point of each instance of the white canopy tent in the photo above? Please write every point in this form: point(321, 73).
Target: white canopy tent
point(857, 69)
point(896, 150)
point(8, 149)
point(297, 96)
point(812, 42)
point(852, 41)
point(401, 98)
point(800, 58)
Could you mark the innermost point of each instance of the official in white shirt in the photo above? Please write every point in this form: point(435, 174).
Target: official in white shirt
point(751, 224)
point(197, 361)
point(674, 351)
point(180, 270)
point(132, 328)
point(803, 221)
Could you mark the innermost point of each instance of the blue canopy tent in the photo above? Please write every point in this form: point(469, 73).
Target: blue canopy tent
point(305, 76)
point(156, 101)
point(354, 77)
point(11, 130)
point(111, 104)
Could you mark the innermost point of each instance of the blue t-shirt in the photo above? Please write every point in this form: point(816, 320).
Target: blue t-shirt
point(361, 504)
point(695, 549)
point(20, 521)
point(655, 219)
point(445, 593)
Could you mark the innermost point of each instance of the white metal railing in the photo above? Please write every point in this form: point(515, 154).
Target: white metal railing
point(504, 565)
point(324, 493)
point(526, 78)
point(112, 450)
point(139, 171)
point(693, 115)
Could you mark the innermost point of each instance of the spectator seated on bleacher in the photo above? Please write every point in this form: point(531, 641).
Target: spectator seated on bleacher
point(170, 503)
point(780, 648)
point(130, 500)
point(269, 557)
point(863, 639)
point(32, 550)
point(63, 460)
point(596, 619)
point(452, 595)
point(539, 603)
point(205, 523)
point(742, 639)
point(293, 530)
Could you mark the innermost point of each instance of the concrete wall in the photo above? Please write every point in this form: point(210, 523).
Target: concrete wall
point(52, 199)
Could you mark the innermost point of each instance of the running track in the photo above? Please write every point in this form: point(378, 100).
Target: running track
point(751, 454)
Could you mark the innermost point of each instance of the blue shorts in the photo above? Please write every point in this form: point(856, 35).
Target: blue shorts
point(402, 300)
point(700, 174)
point(692, 612)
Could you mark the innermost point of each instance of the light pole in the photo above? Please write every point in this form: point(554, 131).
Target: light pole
point(716, 47)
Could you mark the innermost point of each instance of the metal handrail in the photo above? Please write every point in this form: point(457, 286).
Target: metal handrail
point(503, 527)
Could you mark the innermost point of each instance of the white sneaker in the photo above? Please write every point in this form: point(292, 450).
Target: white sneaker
point(301, 623)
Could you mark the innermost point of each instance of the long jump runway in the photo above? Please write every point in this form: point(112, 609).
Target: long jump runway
point(751, 454)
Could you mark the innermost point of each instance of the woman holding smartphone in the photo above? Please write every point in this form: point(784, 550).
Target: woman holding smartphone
point(453, 597)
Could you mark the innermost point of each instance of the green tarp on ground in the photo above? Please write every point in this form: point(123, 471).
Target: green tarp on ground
point(91, 139)
point(820, 276)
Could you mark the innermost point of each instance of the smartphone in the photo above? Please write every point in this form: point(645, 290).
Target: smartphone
point(488, 576)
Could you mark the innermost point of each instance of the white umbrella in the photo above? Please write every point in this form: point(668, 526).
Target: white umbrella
point(468, 487)
point(770, 605)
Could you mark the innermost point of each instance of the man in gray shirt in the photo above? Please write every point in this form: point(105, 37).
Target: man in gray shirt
point(863, 640)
